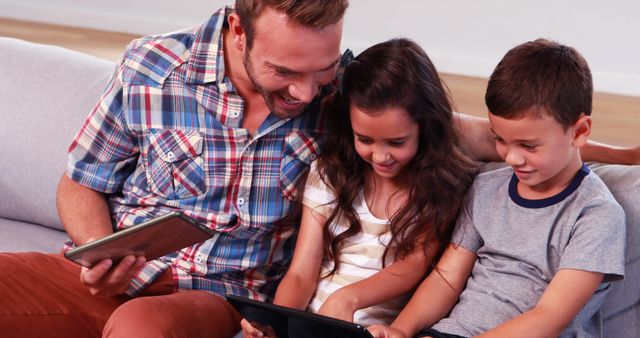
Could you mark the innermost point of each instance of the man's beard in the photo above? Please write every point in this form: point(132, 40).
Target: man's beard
point(268, 96)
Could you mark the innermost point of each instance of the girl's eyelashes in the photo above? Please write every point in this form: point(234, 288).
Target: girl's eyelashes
point(391, 143)
point(364, 140)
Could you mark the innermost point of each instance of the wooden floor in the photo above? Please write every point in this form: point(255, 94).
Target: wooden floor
point(616, 118)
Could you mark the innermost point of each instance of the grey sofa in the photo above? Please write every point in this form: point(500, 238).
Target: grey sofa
point(46, 93)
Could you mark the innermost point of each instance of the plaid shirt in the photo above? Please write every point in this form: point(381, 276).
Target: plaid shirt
point(166, 135)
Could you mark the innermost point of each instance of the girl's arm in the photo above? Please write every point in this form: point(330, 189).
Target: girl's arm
point(435, 297)
point(300, 281)
point(567, 293)
point(391, 282)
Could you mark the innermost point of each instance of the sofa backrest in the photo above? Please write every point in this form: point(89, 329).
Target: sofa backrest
point(46, 93)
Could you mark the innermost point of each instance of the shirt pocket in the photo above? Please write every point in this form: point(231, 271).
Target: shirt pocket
point(174, 163)
point(300, 149)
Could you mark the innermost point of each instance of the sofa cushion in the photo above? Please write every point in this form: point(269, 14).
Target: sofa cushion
point(46, 93)
point(20, 236)
point(624, 183)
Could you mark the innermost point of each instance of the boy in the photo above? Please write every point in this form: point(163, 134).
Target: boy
point(538, 243)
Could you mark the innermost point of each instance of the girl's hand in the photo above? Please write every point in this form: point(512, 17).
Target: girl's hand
point(382, 331)
point(248, 330)
point(338, 307)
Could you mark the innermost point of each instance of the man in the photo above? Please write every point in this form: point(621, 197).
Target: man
point(221, 123)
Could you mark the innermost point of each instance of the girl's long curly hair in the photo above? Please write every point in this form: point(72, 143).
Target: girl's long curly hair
point(397, 74)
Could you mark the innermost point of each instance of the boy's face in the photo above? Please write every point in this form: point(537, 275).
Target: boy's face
point(544, 156)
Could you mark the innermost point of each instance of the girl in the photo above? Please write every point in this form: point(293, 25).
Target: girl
point(380, 201)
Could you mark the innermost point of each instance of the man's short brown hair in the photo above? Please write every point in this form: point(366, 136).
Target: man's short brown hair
point(308, 13)
point(541, 74)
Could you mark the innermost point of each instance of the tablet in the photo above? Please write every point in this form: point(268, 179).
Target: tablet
point(283, 322)
point(151, 239)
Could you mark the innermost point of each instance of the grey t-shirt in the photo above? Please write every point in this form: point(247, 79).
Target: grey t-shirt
point(521, 244)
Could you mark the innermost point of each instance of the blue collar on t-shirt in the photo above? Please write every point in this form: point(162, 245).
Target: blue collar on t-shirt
point(545, 202)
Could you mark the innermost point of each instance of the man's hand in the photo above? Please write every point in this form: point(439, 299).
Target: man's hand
point(382, 331)
point(103, 280)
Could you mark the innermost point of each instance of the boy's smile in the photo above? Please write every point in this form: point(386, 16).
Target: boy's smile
point(544, 156)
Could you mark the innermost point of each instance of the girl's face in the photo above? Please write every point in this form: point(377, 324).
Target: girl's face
point(387, 139)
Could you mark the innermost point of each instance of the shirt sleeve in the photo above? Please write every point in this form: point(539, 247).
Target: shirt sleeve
point(599, 232)
point(465, 233)
point(103, 151)
point(317, 195)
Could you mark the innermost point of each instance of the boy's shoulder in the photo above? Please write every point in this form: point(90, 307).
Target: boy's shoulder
point(595, 190)
point(492, 176)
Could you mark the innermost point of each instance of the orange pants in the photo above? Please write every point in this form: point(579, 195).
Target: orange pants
point(41, 296)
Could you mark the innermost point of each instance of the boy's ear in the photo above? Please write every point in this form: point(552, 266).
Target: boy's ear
point(581, 130)
point(238, 35)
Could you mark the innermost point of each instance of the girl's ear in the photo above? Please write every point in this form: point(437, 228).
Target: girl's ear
point(581, 130)
point(238, 36)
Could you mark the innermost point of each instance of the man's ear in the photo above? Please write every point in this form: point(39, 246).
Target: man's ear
point(238, 36)
point(581, 130)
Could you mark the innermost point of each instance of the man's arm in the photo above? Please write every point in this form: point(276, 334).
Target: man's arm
point(476, 137)
point(567, 293)
point(605, 153)
point(83, 212)
point(85, 216)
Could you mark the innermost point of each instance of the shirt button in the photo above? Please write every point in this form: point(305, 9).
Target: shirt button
point(198, 260)
point(170, 155)
point(234, 114)
point(240, 201)
point(313, 157)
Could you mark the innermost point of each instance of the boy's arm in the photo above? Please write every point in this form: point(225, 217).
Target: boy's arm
point(393, 281)
point(567, 293)
point(438, 293)
point(300, 281)
point(477, 138)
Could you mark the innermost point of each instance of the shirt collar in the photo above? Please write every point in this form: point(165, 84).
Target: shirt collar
point(206, 63)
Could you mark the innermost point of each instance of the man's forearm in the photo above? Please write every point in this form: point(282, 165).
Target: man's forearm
point(605, 153)
point(83, 212)
point(476, 137)
point(478, 140)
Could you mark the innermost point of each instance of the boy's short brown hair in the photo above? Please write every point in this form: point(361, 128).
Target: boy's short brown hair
point(309, 13)
point(542, 74)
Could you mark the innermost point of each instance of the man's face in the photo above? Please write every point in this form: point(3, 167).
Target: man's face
point(288, 63)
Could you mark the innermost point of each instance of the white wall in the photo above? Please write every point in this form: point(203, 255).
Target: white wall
point(462, 36)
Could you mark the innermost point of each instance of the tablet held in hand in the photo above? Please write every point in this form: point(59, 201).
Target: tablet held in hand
point(152, 239)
